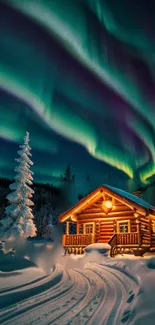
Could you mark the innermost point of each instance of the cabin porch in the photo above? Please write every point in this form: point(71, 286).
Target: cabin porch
point(119, 242)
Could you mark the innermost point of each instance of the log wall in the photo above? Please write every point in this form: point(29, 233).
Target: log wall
point(104, 224)
point(145, 231)
point(152, 234)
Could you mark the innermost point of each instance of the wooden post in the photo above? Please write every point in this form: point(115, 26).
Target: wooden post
point(114, 226)
point(99, 229)
point(139, 232)
point(77, 228)
point(150, 230)
point(67, 228)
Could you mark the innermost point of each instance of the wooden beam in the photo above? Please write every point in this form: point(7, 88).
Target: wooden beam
point(111, 219)
point(114, 209)
point(67, 228)
point(102, 214)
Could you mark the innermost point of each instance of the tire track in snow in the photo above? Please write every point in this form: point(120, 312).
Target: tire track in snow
point(42, 295)
point(24, 285)
point(52, 303)
point(92, 297)
point(96, 295)
point(119, 287)
point(106, 306)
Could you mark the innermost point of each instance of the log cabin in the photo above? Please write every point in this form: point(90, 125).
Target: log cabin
point(113, 216)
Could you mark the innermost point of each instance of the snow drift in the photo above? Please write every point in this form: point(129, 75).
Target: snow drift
point(88, 289)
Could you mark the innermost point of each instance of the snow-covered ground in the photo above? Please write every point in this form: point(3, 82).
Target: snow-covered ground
point(92, 289)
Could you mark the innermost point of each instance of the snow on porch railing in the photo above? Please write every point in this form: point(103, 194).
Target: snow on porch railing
point(77, 240)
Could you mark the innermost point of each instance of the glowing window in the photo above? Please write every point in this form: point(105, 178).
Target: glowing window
point(89, 228)
point(124, 227)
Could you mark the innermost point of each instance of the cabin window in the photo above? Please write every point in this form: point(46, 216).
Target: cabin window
point(89, 228)
point(80, 228)
point(123, 226)
point(72, 228)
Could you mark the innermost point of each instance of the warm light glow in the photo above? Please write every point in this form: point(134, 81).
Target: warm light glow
point(107, 204)
point(136, 215)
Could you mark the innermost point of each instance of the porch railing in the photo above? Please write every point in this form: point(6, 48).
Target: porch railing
point(77, 240)
point(131, 238)
point(123, 240)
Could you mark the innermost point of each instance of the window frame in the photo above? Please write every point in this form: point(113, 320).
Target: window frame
point(84, 228)
point(119, 222)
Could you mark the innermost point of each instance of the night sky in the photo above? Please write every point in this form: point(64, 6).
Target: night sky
point(79, 76)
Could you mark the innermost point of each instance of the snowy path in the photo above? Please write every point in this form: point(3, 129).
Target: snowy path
point(99, 294)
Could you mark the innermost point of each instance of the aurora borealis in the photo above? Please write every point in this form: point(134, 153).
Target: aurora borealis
point(79, 76)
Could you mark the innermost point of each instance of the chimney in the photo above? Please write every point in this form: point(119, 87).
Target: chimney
point(138, 194)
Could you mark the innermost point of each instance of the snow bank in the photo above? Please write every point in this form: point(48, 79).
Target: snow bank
point(9, 262)
point(101, 248)
point(97, 288)
point(142, 309)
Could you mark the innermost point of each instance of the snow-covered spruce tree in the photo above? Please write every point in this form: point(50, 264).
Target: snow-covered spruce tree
point(18, 214)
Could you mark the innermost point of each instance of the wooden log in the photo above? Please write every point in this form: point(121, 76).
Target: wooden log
point(103, 215)
point(95, 205)
point(112, 219)
point(145, 236)
point(97, 208)
point(106, 234)
point(118, 208)
point(106, 230)
point(133, 229)
point(144, 241)
point(106, 221)
point(106, 226)
point(144, 220)
point(118, 203)
point(145, 230)
point(92, 210)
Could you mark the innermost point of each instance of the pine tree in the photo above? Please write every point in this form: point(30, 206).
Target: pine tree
point(18, 214)
point(67, 177)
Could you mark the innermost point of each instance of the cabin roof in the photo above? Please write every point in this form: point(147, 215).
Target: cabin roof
point(129, 199)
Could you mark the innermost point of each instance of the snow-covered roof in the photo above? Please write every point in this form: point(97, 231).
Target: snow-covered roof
point(130, 197)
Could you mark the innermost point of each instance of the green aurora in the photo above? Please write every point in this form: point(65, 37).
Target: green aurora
point(79, 76)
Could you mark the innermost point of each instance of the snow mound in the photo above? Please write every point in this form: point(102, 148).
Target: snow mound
point(101, 248)
point(9, 262)
point(151, 263)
